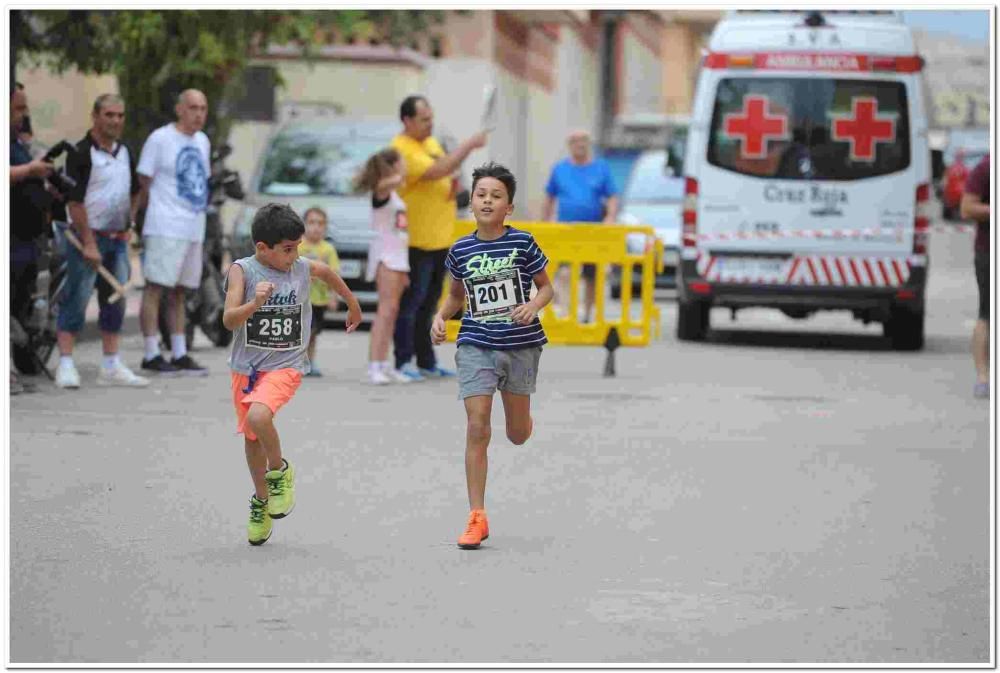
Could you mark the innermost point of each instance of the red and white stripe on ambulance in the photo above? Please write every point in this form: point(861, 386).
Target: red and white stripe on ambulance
point(814, 62)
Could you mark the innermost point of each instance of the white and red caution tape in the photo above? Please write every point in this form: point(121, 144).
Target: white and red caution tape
point(812, 270)
point(954, 228)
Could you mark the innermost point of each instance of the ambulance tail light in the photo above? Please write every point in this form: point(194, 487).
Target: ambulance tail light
point(689, 236)
point(719, 61)
point(897, 64)
point(922, 220)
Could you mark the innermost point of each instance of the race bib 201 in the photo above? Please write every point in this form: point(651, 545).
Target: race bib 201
point(494, 294)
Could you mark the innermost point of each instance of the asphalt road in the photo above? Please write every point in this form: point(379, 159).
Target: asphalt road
point(786, 492)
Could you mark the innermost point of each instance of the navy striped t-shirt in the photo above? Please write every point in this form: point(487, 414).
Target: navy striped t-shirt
point(497, 277)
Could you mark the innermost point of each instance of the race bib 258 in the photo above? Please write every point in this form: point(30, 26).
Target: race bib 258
point(275, 328)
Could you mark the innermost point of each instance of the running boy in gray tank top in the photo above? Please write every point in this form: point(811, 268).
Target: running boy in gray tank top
point(267, 306)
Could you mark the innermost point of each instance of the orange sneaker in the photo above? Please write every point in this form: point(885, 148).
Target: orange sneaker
point(476, 530)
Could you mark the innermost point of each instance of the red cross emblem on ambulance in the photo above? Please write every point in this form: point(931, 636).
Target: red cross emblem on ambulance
point(863, 128)
point(754, 126)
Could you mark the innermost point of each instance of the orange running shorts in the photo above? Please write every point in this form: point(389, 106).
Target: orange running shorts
point(273, 389)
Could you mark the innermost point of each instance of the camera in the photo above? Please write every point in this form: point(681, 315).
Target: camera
point(59, 179)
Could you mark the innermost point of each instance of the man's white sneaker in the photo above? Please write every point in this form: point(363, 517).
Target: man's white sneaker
point(396, 376)
point(120, 375)
point(67, 376)
point(377, 377)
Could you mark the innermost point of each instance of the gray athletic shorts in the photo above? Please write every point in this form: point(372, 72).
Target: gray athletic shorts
point(171, 261)
point(483, 371)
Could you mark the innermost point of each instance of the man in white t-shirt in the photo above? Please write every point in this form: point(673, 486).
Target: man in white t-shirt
point(173, 170)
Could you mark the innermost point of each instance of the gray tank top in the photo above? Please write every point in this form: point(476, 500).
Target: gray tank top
point(276, 335)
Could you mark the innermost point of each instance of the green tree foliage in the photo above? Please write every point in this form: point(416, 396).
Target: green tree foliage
point(158, 53)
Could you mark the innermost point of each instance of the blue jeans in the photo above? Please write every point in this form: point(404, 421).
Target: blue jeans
point(80, 279)
point(417, 307)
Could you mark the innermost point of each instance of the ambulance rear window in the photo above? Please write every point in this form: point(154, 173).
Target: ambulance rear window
point(810, 129)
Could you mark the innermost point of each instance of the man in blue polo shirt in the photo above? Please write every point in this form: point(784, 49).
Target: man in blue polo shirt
point(585, 192)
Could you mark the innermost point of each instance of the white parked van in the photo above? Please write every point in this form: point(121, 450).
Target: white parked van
point(808, 172)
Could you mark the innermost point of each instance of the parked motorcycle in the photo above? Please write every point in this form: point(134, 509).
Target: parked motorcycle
point(203, 307)
point(33, 334)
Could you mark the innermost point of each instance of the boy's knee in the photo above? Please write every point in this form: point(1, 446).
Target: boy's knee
point(478, 430)
point(518, 436)
point(258, 417)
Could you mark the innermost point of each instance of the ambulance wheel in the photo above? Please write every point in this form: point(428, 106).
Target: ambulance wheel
point(692, 320)
point(905, 329)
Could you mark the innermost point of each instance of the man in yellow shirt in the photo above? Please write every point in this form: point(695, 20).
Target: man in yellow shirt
point(431, 212)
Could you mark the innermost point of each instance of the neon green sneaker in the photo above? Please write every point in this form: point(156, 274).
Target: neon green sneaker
point(280, 491)
point(259, 525)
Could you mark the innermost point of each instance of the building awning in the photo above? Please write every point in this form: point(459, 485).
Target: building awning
point(563, 16)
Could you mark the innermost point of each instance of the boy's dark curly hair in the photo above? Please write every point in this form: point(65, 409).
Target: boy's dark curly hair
point(276, 222)
point(498, 171)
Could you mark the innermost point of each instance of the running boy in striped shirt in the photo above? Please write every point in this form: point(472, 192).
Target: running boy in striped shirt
point(500, 340)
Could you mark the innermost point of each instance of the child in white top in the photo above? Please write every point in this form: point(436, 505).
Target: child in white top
point(388, 257)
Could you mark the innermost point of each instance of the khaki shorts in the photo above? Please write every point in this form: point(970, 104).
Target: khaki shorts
point(171, 261)
point(483, 371)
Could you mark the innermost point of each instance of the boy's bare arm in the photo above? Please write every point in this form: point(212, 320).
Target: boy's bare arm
point(235, 312)
point(453, 303)
point(334, 281)
point(527, 312)
point(545, 292)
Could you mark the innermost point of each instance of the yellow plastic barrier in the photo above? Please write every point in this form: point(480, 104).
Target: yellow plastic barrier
point(602, 245)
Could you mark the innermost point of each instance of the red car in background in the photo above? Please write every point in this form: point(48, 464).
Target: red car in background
point(953, 183)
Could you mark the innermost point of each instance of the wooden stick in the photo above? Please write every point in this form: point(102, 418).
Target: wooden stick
point(101, 269)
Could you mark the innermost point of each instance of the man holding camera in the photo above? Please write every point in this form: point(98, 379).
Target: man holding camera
point(101, 207)
point(174, 168)
point(29, 215)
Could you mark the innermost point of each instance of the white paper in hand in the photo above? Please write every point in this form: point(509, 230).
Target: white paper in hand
point(488, 121)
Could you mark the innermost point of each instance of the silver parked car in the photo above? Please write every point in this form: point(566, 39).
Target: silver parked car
point(654, 196)
point(313, 163)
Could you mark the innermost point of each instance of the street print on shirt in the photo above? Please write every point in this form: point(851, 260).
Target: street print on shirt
point(494, 287)
point(192, 180)
point(497, 276)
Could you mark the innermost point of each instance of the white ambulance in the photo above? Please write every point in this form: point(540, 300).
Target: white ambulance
point(808, 172)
